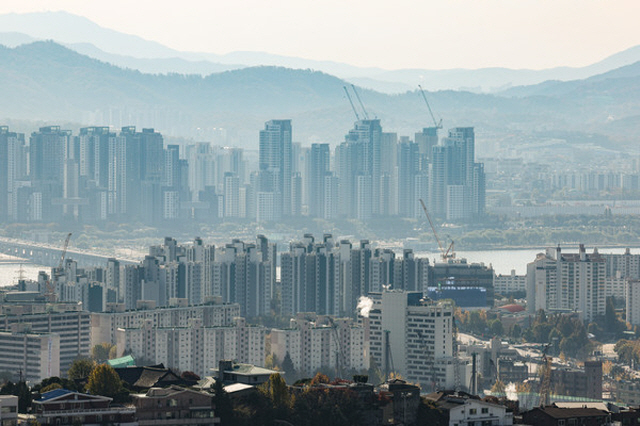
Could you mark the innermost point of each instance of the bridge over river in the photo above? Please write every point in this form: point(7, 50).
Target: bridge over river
point(47, 255)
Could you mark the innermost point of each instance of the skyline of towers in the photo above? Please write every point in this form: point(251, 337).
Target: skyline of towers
point(103, 175)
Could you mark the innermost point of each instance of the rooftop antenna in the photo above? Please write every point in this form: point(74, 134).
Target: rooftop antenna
point(366, 115)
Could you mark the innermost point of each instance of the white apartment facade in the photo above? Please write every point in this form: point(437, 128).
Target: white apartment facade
point(414, 337)
point(194, 347)
point(572, 282)
point(512, 283)
point(104, 325)
point(316, 341)
point(35, 356)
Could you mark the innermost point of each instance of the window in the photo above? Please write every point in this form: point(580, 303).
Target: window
point(485, 410)
point(473, 411)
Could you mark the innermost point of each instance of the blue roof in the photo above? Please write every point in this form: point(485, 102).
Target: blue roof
point(54, 394)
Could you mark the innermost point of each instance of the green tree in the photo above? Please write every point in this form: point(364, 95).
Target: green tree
point(104, 381)
point(278, 393)
point(80, 368)
point(100, 352)
point(496, 328)
point(288, 368)
point(222, 403)
point(21, 390)
point(516, 331)
point(429, 414)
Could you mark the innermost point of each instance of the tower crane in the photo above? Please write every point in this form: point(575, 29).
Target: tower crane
point(436, 124)
point(366, 115)
point(545, 377)
point(449, 253)
point(544, 373)
point(351, 102)
point(51, 291)
point(340, 358)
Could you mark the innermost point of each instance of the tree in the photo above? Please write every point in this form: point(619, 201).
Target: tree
point(430, 415)
point(21, 390)
point(496, 327)
point(277, 391)
point(190, 376)
point(516, 331)
point(104, 381)
point(319, 378)
point(498, 388)
point(288, 368)
point(100, 352)
point(80, 368)
point(222, 404)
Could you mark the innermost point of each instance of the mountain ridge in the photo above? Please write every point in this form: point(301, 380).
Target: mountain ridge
point(47, 81)
point(131, 51)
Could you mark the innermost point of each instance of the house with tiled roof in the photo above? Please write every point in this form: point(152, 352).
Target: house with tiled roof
point(553, 415)
point(175, 406)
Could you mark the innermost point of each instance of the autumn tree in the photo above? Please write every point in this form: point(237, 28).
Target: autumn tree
point(80, 368)
point(100, 352)
point(104, 381)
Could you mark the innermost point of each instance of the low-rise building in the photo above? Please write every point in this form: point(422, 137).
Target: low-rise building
point(463, 409)
point(175, 406)
point(64, 407)
point(8, 410)
point(628, 392)
point(510, 284)
point(231, 372)
point(551, 415)
point(586, 382)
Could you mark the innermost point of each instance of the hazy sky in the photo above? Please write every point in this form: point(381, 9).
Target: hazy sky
point(389, 34)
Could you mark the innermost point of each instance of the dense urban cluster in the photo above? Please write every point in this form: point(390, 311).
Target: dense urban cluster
point(103, 175)
point(331, 307)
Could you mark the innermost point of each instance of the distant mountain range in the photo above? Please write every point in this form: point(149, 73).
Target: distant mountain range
point(129, 51)
point(47, 81)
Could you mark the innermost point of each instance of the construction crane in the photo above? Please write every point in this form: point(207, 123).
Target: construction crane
point(436, 124)
point(430, 360)
point(544, 372)
point(340, 358)
point(456, 358)
point(388, 356)
point(545, 377)
point(351, 102)
point(366, 115)
point(51, 291)
point(445, 254)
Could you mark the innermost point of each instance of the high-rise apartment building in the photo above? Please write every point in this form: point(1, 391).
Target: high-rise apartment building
point(12, 168)
point(457, 183)
point(414, 337)
point(314, 341)
point(276, 165)
point(572, 282)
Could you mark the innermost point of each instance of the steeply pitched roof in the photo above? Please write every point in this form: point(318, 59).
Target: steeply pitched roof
point(147, 377)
